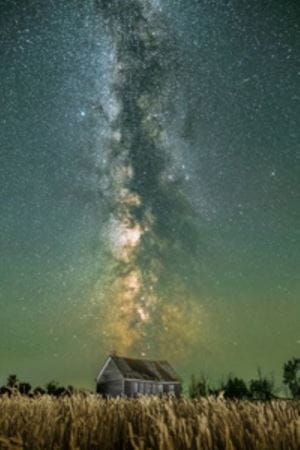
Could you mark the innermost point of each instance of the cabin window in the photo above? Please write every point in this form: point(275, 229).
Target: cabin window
point(154, 388)
point(134, 387)
point(141, 388)
point(171, 389)
point(147, 388)
point(160, 388)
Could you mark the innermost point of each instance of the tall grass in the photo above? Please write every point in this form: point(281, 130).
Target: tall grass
point(89, 422)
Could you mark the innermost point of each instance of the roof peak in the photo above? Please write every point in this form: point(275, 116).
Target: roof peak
point(115, 355)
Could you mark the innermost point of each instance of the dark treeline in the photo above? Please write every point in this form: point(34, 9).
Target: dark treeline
point(262, 388)
point(14, 386)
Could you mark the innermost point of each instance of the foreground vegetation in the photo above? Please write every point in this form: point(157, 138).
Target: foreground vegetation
point(90, 422)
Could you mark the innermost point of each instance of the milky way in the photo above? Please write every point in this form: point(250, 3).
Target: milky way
point(149, 215)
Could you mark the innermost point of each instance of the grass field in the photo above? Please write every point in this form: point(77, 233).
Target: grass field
point(88, 422)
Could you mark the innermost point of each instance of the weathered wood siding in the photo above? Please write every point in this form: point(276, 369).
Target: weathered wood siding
point(111, 372)
point(128, 388)
point(111, 381)
point(110, 388)
point(132, 388)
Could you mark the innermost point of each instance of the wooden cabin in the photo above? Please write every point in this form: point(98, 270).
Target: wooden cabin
point(129, 377)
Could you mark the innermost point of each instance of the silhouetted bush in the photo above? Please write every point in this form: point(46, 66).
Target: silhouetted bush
point(198, 388)
point(4, 390)
point(39, 391)
point(61, 391)
point(262, 389)
point(12, 381)
point(51, 387)
point(24, 388)
point(235, 388)
point(291, 376)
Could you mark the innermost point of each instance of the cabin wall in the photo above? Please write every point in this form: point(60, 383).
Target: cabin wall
point(113, 388)
point(129, 388)
point(132, 388)
point(110, 382)
point(110, 373)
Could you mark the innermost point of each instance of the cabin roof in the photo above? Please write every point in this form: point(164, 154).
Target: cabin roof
point(142, 369)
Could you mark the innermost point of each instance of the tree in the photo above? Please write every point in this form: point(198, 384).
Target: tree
point(261, 389)
point(61, 391)
point(291, 376)
point(12, 381)
point(198, 388)
point(24, 388)
point(235, 388)
point(52, 387)
point(4, 390)
point(71, 389)
point(39, 391)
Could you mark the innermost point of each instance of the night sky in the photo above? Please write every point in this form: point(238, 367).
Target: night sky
point(150, 186)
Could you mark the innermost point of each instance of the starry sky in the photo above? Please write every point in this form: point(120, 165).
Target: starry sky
point(149, 186)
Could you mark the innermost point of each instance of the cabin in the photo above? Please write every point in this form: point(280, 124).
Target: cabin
point(130, 377)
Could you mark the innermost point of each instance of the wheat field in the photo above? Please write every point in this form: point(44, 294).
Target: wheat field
point(90, 422)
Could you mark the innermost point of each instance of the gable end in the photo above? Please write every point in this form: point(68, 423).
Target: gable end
point(109, 371)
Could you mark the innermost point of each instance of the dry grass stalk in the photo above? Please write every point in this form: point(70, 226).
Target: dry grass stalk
point(87, 422)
